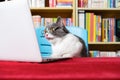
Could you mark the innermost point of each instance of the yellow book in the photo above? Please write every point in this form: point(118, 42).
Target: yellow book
point(103, 30)
point(94, 29)
point(88, 25)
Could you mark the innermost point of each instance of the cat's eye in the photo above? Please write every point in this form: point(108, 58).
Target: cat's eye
point(56, 28)
point(46, 30)
point(52, 29)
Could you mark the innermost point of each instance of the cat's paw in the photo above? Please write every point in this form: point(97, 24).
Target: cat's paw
point(56, 56)
point(67, 56)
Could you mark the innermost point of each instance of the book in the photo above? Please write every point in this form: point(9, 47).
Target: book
point(117, 30)
point(98, 3)
point(36, 20)
point(81, 18)
point(40, 3)
point(64, 3)
point(52, 3)
point(36, 3)
point(33, 3)
point(104, 53)
point(117, 4)
point(83, 3)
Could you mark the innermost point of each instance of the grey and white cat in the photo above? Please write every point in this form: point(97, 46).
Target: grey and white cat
point(64, 44)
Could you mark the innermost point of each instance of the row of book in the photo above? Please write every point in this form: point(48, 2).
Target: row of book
point(41, 21)
point(104, 53)
point(99, 3)
point(100, 29)
point(50, 3)
point(36, 3)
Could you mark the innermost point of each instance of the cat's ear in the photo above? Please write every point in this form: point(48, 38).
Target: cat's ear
point(47, 24)
point(59, 21)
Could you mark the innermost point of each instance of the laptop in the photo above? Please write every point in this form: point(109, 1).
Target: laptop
point(18, 41)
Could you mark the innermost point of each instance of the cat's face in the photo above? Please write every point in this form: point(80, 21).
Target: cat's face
point(55, 30)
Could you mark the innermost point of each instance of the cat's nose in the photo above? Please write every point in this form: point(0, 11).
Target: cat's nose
point(46, 34)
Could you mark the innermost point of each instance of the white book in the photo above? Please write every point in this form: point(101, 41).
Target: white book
point(105, 3)
point(98, 3)
point(40, 3)
point(33, 4)
point(81, 18)
point(117, 3)
point(107, 54)
point(89, 3)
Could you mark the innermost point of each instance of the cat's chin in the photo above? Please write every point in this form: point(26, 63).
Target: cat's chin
point(49, 39)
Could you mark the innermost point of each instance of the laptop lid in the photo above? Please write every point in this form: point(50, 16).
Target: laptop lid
point(18, 40)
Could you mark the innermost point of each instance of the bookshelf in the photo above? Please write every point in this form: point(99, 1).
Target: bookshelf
point(105, 13)
point(54, 12)
point(72, 12)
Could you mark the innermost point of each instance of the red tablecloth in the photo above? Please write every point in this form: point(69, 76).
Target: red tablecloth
point(76, 68)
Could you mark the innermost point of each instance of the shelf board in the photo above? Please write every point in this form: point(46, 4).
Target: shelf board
point(48, 11)
point(103, 9)
point(104, 43)
point(105, 12)
point(104, 46)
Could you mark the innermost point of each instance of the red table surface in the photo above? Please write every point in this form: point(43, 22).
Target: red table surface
point(71, 69)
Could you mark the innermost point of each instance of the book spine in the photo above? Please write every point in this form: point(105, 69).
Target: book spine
point(81, 15)
point(99, 28)
point(42, 22)
point(94, 28)
point(33, 4)
point(85, 3)
point(89, 3)
point(91, 27)
point(36, 21)
point(50, 3)
point(117, 3)
point(103, 30)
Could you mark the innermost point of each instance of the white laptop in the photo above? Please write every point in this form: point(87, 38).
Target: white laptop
point(18, 40)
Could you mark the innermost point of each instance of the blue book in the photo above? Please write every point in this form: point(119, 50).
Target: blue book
point(42, 21)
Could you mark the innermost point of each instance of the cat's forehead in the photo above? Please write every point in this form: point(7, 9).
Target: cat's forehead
point(52, 25)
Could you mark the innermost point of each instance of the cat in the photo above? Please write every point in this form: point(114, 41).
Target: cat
point(64, 44)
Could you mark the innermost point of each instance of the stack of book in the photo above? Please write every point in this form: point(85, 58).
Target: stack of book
point(41, 21)
point(36, 3)
point(50, 3)
point(100, 29)
point(64, 3)
point(99, 3)
point(60, 3)
point(104, 53)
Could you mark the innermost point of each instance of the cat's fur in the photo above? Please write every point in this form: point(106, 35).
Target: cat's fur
point(64, 44)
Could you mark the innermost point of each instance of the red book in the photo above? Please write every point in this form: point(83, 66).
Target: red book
point(92, 27)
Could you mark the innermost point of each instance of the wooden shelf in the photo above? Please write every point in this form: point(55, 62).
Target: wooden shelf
point(97, 9)
point(104, 46)
point(53, 12)
point(106, 43)
point(53, 9)
point(104, 12)
point(68, 12)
